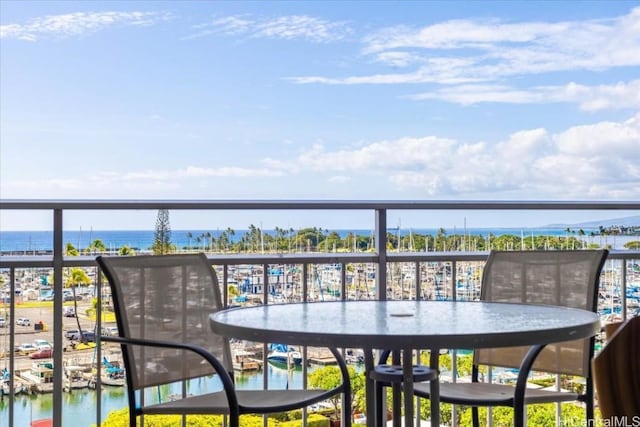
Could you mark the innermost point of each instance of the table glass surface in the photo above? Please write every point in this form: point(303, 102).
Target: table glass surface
point(406, 324)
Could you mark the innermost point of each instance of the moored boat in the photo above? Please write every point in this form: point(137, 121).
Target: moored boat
point(283, 354)
point(243, 362)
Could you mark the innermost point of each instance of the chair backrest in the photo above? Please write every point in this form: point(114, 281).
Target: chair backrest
point(616, 373)
point(560, 278)
point(165, 298)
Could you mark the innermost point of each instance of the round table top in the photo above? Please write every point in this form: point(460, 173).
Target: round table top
point(406, 324)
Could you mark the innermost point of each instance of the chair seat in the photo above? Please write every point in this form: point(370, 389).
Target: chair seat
point(485, 394)
point(250, 401)
point(390, 374)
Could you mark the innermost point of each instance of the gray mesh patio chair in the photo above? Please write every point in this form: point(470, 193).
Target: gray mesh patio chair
point(560, 278)
point(162, 306)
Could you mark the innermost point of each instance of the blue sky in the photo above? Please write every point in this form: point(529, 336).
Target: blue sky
point(319, 100)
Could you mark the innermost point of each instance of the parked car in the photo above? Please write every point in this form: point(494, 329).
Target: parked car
point(110, 331)
point(40, 344)
point(68, 296)
point(69, 312)
point(26, 348)
point(89, 336)
point(43, 353)
point(23, 321)
point(70, 333)
point(3, 322)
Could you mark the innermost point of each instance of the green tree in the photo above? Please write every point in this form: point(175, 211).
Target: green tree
point(162, 236)
point(232, 291)
point(126, 250)
point(97, 246)
point(70, 250)
point(634, 245)
point(537, 415)
point(329, 377)
point(120, 417)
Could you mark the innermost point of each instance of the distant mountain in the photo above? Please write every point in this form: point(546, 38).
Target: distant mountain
point(625, 222)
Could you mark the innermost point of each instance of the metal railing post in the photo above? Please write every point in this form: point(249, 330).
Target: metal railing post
point(381, 250)
point(57, 316)
point(12, 342)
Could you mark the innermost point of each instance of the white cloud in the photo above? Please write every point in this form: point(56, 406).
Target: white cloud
point(399, 59)
point(490, 50)
point(78, 24)
point(621, 95)
point(340, 179)
point(151, 182)
point(191, 172)
point(474, 94)
point(288, 27)
point(404, 153)
point(596, 160)
point(609, 142)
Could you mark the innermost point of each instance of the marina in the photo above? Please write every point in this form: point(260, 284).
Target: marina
point(80, 402)
point(247, 284)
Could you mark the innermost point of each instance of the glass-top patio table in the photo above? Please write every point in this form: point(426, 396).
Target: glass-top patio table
point(406, 326)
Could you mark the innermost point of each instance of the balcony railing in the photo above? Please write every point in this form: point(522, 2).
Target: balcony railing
point(389, 267)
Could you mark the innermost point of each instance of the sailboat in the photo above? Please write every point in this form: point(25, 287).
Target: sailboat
point(112, 374)
point(284, 355)
point(5, 389)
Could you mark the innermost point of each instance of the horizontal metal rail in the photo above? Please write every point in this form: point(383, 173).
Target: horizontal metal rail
point(381, 257)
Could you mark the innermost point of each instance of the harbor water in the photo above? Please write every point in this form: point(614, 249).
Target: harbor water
point(79, 406)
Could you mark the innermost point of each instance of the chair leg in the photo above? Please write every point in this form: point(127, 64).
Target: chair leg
point(475, 416)
point(518, 415)
point(380, 420)
point(397, 404)
point(589, 397)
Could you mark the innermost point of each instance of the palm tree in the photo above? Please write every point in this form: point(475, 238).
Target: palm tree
point(581, 233)
point(97, 246)
point(207, 236)
point(77, 276)
point(126, 250)
point(230, 233)
point(441, 237)
point(189, 237)
point(70, 250)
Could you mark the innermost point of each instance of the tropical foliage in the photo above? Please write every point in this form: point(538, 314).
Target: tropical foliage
point(314, 239)
point(120, 418)
point(329, 377)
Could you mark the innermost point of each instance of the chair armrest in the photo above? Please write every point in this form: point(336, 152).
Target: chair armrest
point(225, 377)
point(346, 383)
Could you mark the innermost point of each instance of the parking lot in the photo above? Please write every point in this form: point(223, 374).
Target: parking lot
point(27, 333)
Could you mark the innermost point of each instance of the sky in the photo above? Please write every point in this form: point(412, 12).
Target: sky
point(362, 100)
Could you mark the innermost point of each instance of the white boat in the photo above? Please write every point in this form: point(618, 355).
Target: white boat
point(113, 379)
point(283, 354)
point(112, 374)
point(73, 378)
point(40, 376)
point(19, 386)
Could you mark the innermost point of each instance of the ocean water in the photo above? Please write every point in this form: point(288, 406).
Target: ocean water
point(35, 241)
